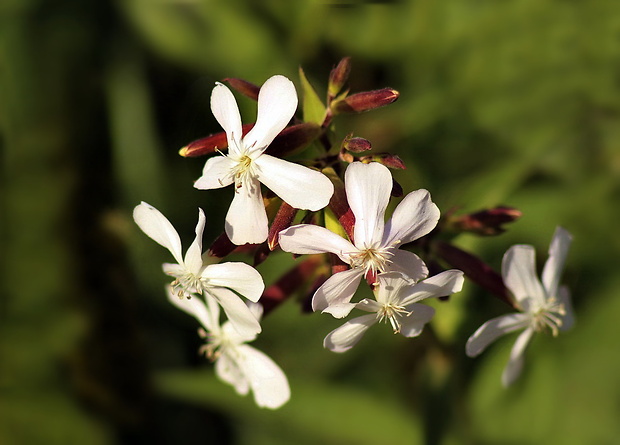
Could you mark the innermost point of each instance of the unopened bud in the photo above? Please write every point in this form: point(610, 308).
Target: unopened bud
point(387, 159)
point(368, 100)
point(221, 247)
point(209, 144)
point(356, 145)
point(294, 139)
point(283, 220)
point(485, 222)
point(339, 205)
point(338, 77)
point(244, 87)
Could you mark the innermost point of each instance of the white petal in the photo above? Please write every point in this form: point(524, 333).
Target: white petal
point(492, 330)
point(217, 173)
point(415, 216)
point(407, 263)
point(193, 306)
point(568, 320)
point(299, 186)
point(310, 239)
point(269, 384)
point(368, 188)
point(335, 294)
point(246, 220)
point(225, 109)
point(157, 227)
point(413, 324)
point(558, 250)
point(515, 363)
point(240, 277)
point(390, 286)
point(239, 315)
point(175, 270)
point(277, 102)
point(440, 285)
point(227, 369)
point(346, 336)
point(193, 256)
point(519, 273)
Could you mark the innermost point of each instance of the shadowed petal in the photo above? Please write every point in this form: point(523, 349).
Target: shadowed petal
point(407, 263)
point(157, 227)
point(310, 239)
point(515, 363)
point(246, 220)
point(228, 370)
point(336, 292)
point(269, 384)
point(217, 173)
point(277, 102)
point(225, 109)
point(568, 319)
point(299, 186)
point(558, 250)
point(193, 256)
point(239, 315)
point(519, 273)
point(368, 188)
point(240, 277)
point(492, 330)
point(415, 216)
point(346, 336)
point(440, 285)
point(195, 307)
point(413, 324)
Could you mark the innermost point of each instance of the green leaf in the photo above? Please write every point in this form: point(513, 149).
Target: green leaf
point(313, 108)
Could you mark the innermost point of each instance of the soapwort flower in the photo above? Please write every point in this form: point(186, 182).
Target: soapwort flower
point(236, 363)
point(397, 302)
point(246, 165)
point(375, 247)
point(192, 277)
point(542, 305)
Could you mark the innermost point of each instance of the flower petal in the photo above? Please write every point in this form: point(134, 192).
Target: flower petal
point(267, 380)
point(558, 250)
point(246, 220)
point(415, 216)
point(227, 369)
point(413, 324)
point(440, 285)
point(225, 109)
point(193, 306)
point(152, 222)
point(335, 294)
point(519, 273)
point(277, 102)
point(568, 319)
point(390, 287)
point(346, 336)
point(310, 239)
point(240, 277)
point(237, 312)
point(193, 256)
point(407, 263)
point(299, 186)
point(493, 329)
point(368, 188)
point(217, 173)
point(515, 363)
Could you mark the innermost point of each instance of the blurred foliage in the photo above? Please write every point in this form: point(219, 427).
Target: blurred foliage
point(514, 103)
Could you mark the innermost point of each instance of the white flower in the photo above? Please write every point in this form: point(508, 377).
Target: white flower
point(247, 166)
point(396, 302)
point(222, 281)
point(542, 305)
point(375, 246)
point(237, 363)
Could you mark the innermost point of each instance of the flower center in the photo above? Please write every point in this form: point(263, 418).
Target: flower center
point(243, 171)
point(549, 316)
point(371, 259)
point(393, 313)
point(188, 284)
point(215, 346)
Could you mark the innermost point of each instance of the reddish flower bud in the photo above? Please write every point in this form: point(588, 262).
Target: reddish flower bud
point(283, 220)
point(261, 254)
point(209, 144)
point(356, 145)
point(485, 222)
point(221, 247)
point(338, 77)
point(368, 100)
point(293, 139)
point(475, 269)
point(244, 87)
point(339, 205)
point(387, 159)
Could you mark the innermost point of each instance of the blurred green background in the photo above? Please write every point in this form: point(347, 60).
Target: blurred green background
point(514, 102)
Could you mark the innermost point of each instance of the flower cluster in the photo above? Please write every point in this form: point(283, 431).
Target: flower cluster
point(344, 197)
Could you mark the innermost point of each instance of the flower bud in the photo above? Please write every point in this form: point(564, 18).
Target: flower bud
point(283, 220)
point(339, 205)
point(244, 87)
point(485, 222)
point(294, 139)
point(209, 144)
point(356, 145)
point(338, 77)
point(387, 159)
point(221, 247)
point(368, 100)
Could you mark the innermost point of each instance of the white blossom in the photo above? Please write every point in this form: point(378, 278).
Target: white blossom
point(246, 165)
point(397, 303)
point(236, 363)
point(191, 276)
point(375, 247)
point(542, 304)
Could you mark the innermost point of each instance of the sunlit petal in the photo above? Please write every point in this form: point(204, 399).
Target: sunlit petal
point(240, 277)
point(519, 273)
point(440, 285)
point(407, 263)
point(346, 336)
point(415, 216)
point(269, 384)
point(413, 324)
point(310, 239)
point(558, 250)
point(237, 312)
point(225, 109)
point(493, 329)
point(193, 256)
point(217, 173)
point(246, 220)
point(336, 292)
point(157, 227)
